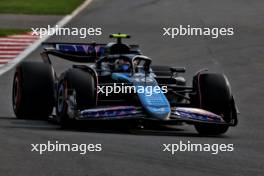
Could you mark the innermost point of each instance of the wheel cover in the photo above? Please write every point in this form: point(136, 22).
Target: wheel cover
point(16, 93)
point(61, 98)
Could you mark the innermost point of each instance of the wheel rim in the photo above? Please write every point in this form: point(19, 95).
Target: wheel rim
point(61, 97)
point(16, 93)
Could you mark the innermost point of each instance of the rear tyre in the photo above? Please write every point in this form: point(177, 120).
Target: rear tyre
point(33, 95)
point(213, 94)
point(83, 85)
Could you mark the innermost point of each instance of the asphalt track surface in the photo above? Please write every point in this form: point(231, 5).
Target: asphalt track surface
point(240, 57)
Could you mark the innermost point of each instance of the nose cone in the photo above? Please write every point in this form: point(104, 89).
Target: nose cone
point(160, 112)
point(156, 105)
point(153, 101)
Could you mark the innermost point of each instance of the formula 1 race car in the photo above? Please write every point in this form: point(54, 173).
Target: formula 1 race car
point(115, 82)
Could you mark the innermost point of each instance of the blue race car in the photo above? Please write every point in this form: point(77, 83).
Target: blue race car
point(115, 82)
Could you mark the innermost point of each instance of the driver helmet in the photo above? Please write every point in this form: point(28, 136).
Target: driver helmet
point(122, 65)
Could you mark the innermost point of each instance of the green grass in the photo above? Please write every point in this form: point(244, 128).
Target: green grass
point(44, 7)
point(5, 32)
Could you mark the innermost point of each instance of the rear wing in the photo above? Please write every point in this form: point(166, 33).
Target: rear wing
point(78, 52)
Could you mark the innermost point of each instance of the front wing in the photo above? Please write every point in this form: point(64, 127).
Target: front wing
point(178, 114)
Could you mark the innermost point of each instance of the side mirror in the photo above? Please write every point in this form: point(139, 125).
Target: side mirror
point(146, 68)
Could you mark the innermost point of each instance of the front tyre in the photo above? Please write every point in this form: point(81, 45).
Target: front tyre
point(213, 93)
point(81, 86)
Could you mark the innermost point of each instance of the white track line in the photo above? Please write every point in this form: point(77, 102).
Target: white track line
point(14, 44)
point(12, 48)
point(10, 52)
point(5, 60)
point(28, 36)
point(16, 40)
point(38, 42)
point(8, 56)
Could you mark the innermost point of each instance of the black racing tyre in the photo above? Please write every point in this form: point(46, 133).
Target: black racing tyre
point(213, 93)
point(83, 84)
point(33, 90)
